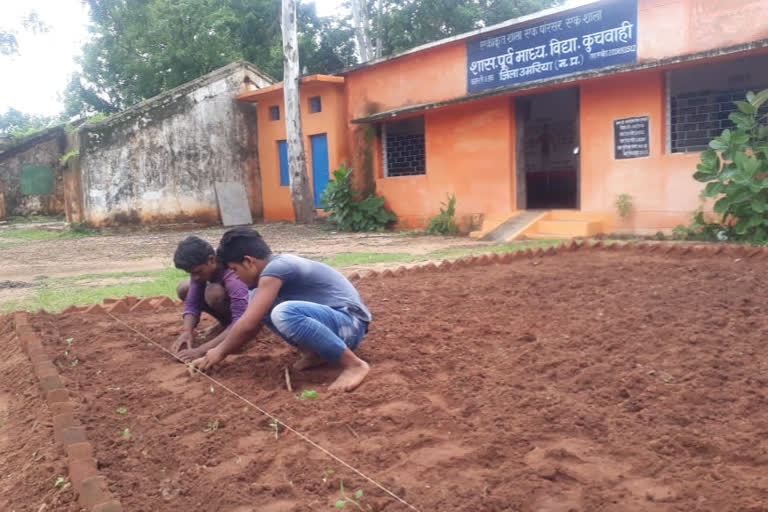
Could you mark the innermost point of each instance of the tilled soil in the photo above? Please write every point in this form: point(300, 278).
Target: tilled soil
point(586, 381)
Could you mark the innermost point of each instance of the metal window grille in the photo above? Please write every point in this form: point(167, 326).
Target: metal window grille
point(274, 113)
point(403, 148)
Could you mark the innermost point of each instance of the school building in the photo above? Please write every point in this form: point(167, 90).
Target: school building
point(537, 124)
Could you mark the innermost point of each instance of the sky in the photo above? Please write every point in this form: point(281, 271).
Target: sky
point(33, 81)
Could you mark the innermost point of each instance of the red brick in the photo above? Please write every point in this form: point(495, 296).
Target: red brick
point(62, 408)
point(70, 309)
point(598, 245)
point(95, 309)
point(401, 271)
point(51, 382)
point(164, 302)
point(388, 273)
point(62, 422)
point(20, 319)
point(354, 276)
point(56, 396)
point(507, 257)
point(484, 260)
point(109, 506)
point(551, 251)
point(130, 300)
point(44, 369)
point(109, 300)
point(83, 450)
point(372, 275)
point(119, 307)
point(72, 435)
point(430, 267)
point(93, 492)
point(144, 304)
point(178, 302)
point(80, 470)
point(444, 265)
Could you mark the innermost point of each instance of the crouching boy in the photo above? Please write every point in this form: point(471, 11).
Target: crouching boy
point(310, 305)
point(211, 288)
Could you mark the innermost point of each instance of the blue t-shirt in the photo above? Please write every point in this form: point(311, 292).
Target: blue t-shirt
point(312, 281)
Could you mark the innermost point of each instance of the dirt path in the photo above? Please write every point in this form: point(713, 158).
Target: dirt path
point(586, 382)
point(151, 251)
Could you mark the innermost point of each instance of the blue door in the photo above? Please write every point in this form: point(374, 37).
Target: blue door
point(320, 178)
point(282, 150)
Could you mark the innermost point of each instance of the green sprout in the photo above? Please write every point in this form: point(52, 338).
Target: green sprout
point(327, 474)
point(127, 433)
point(308, 393)
point(345, 500)
point(275, 426)
point(75, 362)
point(69, 341)
point(60, 482)
point(122, 410)
point(212, 426)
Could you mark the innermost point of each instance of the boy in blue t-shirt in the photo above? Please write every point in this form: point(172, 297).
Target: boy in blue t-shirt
point(310, 305)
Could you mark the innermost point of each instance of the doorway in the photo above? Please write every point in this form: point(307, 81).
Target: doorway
point(547, 150)
point(320, 171)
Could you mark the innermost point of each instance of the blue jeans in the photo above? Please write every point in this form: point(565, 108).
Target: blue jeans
point(326, 331)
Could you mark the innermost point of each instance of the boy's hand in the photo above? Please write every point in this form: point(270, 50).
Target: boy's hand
point(183, 341)
point(209, 360)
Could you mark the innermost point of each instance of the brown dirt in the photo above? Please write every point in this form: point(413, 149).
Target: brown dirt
point(581, 382)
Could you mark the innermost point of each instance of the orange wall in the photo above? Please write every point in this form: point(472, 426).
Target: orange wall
point(277, 198)
point(666, 28)
point(468, 153)
point(664, 192)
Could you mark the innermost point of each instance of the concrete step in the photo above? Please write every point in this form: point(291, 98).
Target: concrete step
point(514, 226)
point(568, 227)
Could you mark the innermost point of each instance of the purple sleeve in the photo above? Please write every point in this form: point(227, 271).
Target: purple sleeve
point(193, 304)
point(238, 296)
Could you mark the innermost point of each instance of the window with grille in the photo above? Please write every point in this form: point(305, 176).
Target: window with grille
point(701, 98)
point(274, 113)
point(403, 147)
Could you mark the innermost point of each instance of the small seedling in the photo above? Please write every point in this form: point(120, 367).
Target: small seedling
point(99, 372)
point(327, 474)
point(122, 410)
point(127, 433)
point(75, 362)
point(345, 500)
point(308, 393)
point(212, 426)
point(275, 426)
point(60, 482)
point(69, 341)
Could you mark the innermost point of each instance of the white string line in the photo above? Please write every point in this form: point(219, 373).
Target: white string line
point(272, 417)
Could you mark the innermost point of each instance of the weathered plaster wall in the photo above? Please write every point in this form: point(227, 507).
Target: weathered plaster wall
point(41, 149)
point(158, 161)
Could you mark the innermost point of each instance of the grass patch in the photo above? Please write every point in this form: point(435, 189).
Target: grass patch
point(348, 259)
point(56, 294)
point(40, 234)
point(34, 219)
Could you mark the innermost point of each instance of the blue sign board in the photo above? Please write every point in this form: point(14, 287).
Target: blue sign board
point(589, 37)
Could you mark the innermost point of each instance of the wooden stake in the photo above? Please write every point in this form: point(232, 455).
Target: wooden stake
point(288, 380)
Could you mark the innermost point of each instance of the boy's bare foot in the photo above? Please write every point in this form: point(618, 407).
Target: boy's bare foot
point(308, 360)
point(354, 371)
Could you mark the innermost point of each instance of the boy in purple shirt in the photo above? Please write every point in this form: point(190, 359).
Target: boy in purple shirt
point(211, 288)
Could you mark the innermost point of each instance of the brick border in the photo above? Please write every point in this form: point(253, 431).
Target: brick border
point(88, 482)
point(127, 304)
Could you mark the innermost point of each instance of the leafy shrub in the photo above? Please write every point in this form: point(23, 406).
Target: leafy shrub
point(443, 223)
point(624, 204)
point(348, 210)
point(735, 169)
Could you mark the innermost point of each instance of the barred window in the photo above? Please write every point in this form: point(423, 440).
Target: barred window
point(701, 98)
point(315, 105)
point(403, 149)
point(274, 113)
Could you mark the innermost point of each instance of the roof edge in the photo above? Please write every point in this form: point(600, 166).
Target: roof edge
point(576, 77)
point(251, 96)
point(468, 35)
point(179, 89)
point(31, 140)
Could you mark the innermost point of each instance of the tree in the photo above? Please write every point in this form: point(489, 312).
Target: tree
point(16, 124)
point(362, 29)
point(405, 24)
point(303, 207)
point(30, 22)
point(144, 47)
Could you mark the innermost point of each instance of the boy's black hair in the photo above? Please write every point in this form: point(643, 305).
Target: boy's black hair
point(191, 252)
point(238, 243)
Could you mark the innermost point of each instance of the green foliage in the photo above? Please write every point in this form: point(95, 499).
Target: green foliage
point(308, 393)
point(18, 125)
point(624, 204)
point(735, 170)
point(348, 500)
point(444, 223)
point(60, 482)
point(407, 24)
point(140, 49)
point(70, 154)
point(348, 210)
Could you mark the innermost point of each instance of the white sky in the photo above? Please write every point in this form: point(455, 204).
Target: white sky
point(32, 81)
